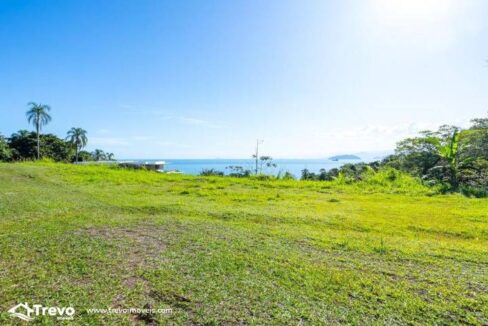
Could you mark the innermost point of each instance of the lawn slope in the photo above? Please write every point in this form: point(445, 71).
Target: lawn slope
point(238, 251)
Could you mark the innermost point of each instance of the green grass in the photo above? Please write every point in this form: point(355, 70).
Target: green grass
point(225, 251)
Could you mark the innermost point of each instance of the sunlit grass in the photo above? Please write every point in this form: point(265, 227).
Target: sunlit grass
point(228, 251)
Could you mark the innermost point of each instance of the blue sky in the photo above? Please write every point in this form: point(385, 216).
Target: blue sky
point(204, 79)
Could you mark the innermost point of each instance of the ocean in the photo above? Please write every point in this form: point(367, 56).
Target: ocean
point(294, 166)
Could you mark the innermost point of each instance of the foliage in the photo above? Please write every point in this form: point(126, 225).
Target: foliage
point(286, 176)
point(350, 172)
point(211, 172)
point(454, 158)
point(238, 171)
point(5, 151)
point(23, 146)
point(55, 148)
point(85, 156)
point(100, 155)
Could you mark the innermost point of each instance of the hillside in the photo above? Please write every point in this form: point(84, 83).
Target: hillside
point(239, 251)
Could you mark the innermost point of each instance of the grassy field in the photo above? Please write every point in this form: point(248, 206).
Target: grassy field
point(225, 251)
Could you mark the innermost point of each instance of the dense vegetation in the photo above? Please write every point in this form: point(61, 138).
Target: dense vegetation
point(22, 146)
point(452, 159)
point(228, 251)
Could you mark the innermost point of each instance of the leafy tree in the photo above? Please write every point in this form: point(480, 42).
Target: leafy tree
point(110, 156)
point(307, 175)
point(85, 156)
point(23, 146)
point(56, 148)
point(77, 137)
point(5, 151)
point(476, 139)
point(414, 155)
point(474, 157)
point(38, 115)
point(479, 124)
point(238, 171)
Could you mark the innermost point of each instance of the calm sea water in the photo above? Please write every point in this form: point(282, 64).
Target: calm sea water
point(294, 166)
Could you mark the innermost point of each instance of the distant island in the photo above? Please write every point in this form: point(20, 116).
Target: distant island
point(344, 157)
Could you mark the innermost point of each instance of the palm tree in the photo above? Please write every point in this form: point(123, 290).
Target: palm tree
point(38, 115)
point(110, 156)
point(99, 155)
point(77, 137)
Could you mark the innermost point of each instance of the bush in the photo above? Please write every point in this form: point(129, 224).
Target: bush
point(211, 172)
point(288, 176)
point(474, 192)
point(238, 171)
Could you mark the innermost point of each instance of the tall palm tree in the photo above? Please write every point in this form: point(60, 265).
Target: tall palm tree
point(77, 137)
point(38, 115)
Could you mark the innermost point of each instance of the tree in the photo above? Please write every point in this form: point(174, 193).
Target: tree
point(110, 156)
point(56, 148)
point(23, 146)
point(414, 155)
point(266, 161)
point(99, 155)
point(307, 175)
point(85, 156)
point(5, 151)
point(448, 150)
point(449, 156)
point(77, 137)
point(38, 115)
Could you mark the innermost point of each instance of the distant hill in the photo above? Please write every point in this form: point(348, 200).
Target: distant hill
point(344, 157)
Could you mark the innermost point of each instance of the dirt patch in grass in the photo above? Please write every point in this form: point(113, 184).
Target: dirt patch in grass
point(141, 245)
point(138, 249)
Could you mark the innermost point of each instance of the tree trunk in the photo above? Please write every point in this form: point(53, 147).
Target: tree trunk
point(454, 179)
point(38, 141)
point(77, 154)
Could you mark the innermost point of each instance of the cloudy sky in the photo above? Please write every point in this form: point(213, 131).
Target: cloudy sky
point(205, 79)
